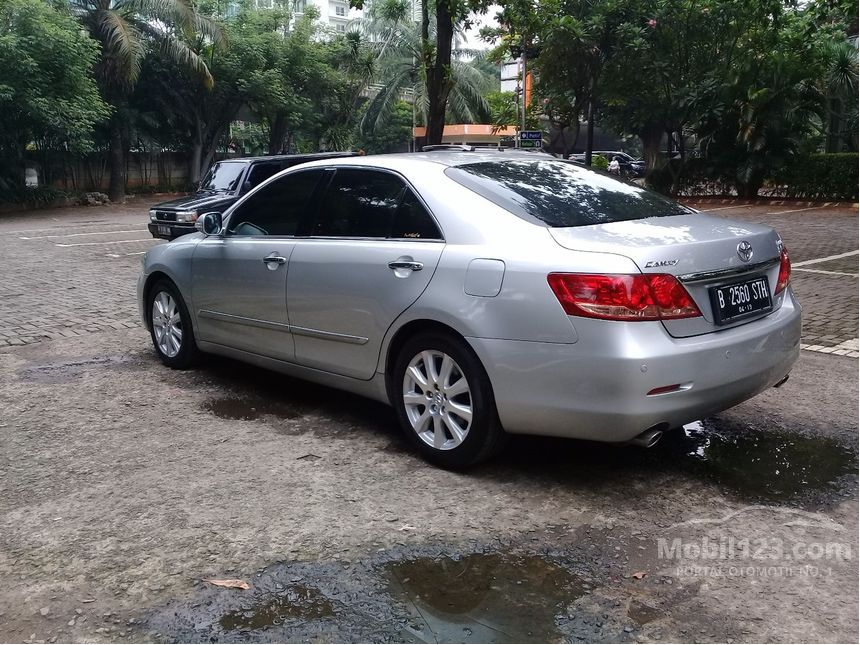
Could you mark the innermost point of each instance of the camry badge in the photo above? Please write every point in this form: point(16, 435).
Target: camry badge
point(660, 263)
point(745, 251)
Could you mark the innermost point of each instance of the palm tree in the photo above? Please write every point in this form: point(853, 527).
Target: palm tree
point(401, 72)
point(841, 91)
point(126, 29)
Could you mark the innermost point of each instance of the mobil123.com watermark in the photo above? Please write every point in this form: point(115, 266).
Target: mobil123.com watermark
point(799, 544)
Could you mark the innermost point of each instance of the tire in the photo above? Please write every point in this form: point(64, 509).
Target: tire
point(449, 414)
point(170, 326)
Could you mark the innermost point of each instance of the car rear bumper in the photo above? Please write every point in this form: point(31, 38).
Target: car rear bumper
point(169, 230)
point(597, 387)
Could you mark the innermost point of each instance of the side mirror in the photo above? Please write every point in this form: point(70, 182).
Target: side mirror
point(247, 186)
point(209, 223)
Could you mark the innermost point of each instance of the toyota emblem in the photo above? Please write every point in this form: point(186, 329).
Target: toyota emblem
point(745, 251)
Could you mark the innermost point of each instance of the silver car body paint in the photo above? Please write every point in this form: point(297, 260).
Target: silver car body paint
point(329, 312)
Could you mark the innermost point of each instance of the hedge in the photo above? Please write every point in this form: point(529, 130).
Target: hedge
point(821, 177)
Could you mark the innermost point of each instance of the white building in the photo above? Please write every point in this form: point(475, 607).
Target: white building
point(335, 14)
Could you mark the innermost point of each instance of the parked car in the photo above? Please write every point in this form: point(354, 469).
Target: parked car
point(225, 182)
point(483, 293)
point(630, 167)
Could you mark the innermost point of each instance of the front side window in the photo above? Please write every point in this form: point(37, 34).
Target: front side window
point(277, 208)
point(224, 176)
point(358, 203)
point(557, 193)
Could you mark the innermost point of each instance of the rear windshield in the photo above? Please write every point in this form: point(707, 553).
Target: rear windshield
point(558, 193)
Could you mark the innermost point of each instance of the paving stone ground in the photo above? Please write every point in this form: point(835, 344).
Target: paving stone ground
point(68, 272)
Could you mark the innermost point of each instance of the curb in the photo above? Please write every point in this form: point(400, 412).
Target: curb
point(768, 202)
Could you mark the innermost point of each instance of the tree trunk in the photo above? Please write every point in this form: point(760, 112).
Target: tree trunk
point(277, 134)
point(589, 133)
point(833, 141)
point(438, 72)
point(116, 186)
point(651, 135)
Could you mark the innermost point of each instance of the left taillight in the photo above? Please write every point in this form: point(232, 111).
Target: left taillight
point(784, 270)
point(653, 296)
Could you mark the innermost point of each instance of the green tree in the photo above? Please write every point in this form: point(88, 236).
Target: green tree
point(46, 91)
point(435, 59)
point(396, 136)
point(400, 72)
point(126, 29)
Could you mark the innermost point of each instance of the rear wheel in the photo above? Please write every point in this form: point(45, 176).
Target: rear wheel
point(444, 401)
point(170, 326)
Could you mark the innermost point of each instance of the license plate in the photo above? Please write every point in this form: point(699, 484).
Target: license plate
point(164, 230)
point(740, 300)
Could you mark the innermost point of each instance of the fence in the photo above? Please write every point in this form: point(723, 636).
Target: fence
point(144, 170)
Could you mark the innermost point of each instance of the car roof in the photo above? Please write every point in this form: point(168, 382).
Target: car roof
point(300, 158)
point(445, 158)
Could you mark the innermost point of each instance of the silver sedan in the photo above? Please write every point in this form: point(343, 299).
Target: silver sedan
point(483, 293)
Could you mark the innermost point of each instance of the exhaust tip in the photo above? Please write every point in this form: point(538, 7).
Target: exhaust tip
point(781, 381)
point(651, 437)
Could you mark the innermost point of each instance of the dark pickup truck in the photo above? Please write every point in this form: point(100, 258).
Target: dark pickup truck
point(222, 186)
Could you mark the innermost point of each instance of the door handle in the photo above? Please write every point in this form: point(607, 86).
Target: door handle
point(277, 259)
point(404, 264)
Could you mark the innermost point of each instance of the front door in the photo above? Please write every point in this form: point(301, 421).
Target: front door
point(371, 251)
point(239, 278)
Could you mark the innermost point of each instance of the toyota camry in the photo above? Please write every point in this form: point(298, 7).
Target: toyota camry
point(482, 294)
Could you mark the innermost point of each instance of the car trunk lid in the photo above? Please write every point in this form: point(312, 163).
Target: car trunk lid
point(700, 250)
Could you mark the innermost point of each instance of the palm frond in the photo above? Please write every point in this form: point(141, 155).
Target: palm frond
point(122, 43)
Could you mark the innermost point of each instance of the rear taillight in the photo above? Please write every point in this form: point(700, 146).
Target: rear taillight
point(622, 296)
point(784, 270)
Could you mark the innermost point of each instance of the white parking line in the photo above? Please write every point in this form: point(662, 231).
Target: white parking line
point(119, 255)
point(43, 237)
point(796, 210)
point(100, 243)
point(853, 275)
point(722, 208)
point(60, 227)
point(838, 256)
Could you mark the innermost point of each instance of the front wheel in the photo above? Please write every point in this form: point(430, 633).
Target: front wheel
point(170, 326)
point(445, 403)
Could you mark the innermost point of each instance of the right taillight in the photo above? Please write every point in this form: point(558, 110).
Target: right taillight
point(652, 296)
point(784, 270)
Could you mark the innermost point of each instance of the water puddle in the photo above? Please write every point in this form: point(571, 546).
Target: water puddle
point(769, 465)
point(68, 370)
point(296, 602)
point(237, 408)
point(483, 598)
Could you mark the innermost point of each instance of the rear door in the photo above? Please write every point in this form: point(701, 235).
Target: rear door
point(371, 250)
point(239, 278)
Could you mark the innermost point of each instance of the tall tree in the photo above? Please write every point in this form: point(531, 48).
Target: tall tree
point(397, 42)
point(438, 24)
point(125, 29)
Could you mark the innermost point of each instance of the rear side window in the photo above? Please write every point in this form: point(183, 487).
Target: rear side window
point(260, 172)
point(277, 208)
point(412, 221)
point(358, 203)
point(560, 194)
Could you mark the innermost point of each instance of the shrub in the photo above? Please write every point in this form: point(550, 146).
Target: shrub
point(599, 162)
point(33, 196)
point(820, 177)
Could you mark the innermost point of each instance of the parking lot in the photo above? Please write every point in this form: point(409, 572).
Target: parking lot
point(126, 485)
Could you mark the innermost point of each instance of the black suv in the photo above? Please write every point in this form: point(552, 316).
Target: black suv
point(225, 183)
